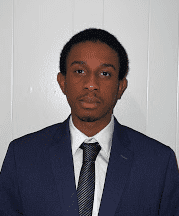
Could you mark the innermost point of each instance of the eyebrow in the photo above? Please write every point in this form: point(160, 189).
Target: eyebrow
point(109, 65)
point(84, 63)
point(77, 62)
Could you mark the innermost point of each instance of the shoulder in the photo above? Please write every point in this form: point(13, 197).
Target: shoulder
point(42, 137)
point(149, 152)
point(144, 145)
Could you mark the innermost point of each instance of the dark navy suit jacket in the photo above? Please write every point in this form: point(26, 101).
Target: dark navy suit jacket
point(37, 176)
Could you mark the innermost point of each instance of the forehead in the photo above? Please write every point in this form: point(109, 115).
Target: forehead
point(90, 51)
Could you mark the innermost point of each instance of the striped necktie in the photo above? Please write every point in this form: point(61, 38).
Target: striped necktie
point(86, 183)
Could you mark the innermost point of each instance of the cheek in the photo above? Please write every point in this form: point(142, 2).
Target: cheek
point(75, 82)
point(74, 89)
point(109, 89)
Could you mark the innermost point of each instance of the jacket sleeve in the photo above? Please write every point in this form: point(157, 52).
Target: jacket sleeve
point(10, 200)
point(169, 205)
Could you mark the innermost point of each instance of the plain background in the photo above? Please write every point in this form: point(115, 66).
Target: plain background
point(32, 34)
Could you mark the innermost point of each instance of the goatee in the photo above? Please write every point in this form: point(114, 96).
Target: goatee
point(88, 119)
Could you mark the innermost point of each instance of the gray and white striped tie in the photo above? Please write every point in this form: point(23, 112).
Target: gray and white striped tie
point(86, 183)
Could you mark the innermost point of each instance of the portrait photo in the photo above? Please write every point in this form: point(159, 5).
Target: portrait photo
point(89, 95)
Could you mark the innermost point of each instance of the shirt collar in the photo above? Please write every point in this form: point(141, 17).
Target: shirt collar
point(104, 137)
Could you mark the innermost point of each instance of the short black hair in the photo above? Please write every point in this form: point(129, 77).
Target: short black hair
point(95, 35)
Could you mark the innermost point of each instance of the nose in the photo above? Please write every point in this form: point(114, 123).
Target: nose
point(91, 83)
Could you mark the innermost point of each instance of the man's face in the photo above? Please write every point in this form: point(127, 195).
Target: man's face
point(91, 84)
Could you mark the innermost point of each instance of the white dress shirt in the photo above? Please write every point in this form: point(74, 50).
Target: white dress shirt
point(104, 138)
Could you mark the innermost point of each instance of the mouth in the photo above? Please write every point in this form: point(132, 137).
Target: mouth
point(90, 100)
point(89, 105)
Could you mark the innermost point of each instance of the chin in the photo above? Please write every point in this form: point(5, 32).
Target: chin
point(88, 118)
point(91, 117)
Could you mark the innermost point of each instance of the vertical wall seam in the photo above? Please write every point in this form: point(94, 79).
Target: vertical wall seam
point(73, 12)
point(103, 16)
point(177, 95)
point(12, 69)
point(148, 65)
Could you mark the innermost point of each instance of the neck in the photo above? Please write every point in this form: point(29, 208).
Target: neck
point(91, 128)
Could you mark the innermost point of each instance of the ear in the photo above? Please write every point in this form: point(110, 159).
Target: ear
point(61, 79)
point(122, 87)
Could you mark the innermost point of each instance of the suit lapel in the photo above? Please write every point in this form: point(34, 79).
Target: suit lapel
point(62, 166)
point(118, 171)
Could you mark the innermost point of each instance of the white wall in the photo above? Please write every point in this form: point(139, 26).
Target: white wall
point(33, 34)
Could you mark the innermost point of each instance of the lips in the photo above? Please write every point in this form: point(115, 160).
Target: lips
point(90, 99)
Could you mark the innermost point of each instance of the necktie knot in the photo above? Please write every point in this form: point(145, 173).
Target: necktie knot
point(90, 151)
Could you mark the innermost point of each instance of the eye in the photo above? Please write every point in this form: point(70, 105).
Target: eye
point(105, 73)
point(79, 71)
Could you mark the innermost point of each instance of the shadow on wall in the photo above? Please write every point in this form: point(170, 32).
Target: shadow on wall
point(129, 113)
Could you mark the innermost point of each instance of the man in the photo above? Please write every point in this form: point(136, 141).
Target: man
point(54, 171)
